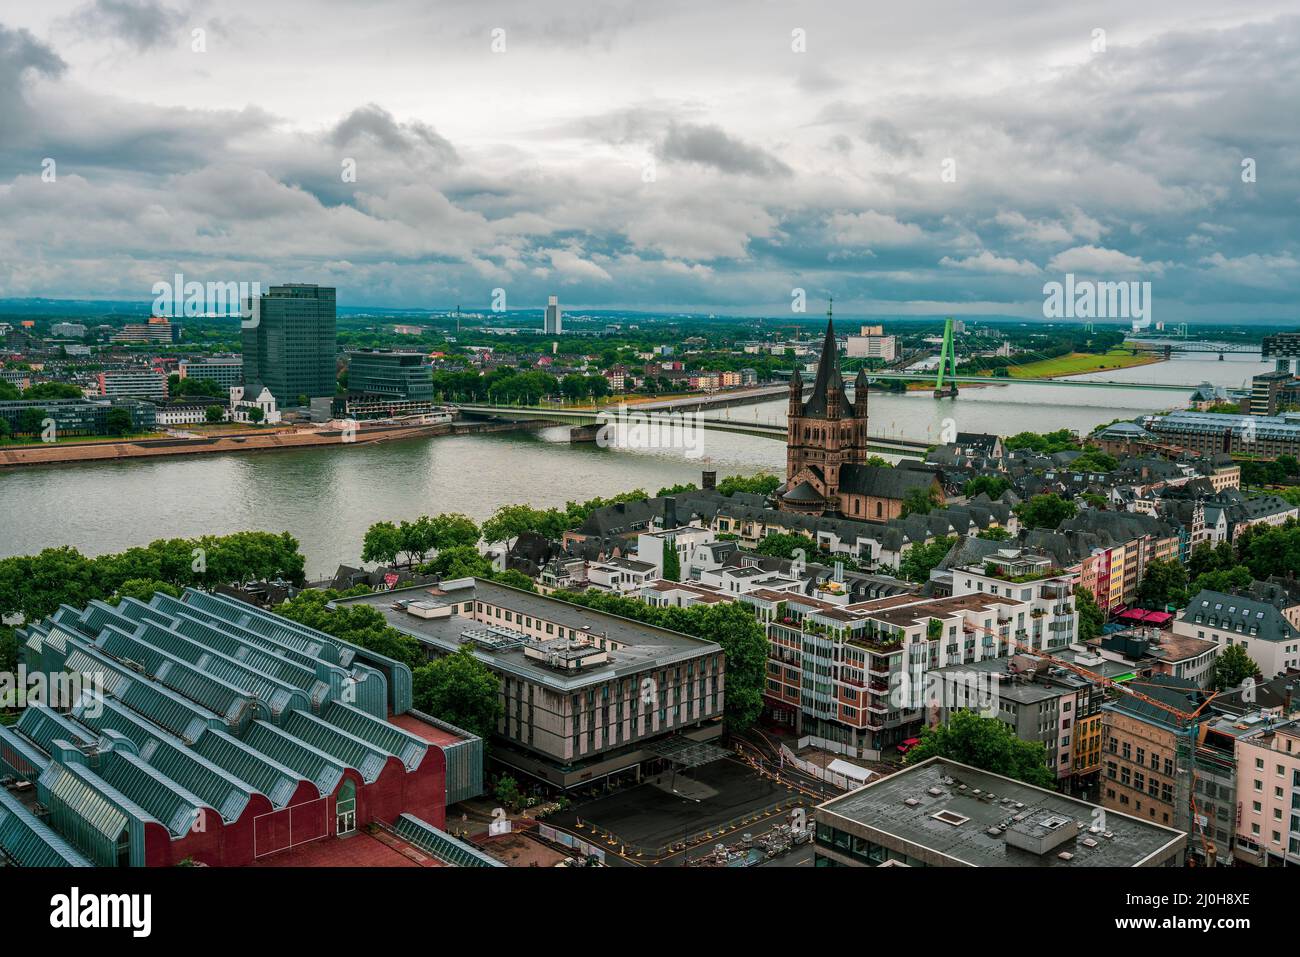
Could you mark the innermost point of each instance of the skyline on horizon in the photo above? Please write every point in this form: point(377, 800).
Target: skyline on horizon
point(582, 159)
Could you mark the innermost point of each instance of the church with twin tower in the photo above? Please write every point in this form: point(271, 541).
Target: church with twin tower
point(827, 455)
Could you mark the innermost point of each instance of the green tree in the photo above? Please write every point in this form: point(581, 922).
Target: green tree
point(29, 421)
point(1232, 668)
point(53, 390)
point(117, 421)
point(1046, 443)
point(917, 564)
point(460, 561)
point(1164, 583)
point(987, 744)
point(360, 624)
point(764, 483)
point(256, 415)
point(991, 485)
point(143, 589)
point(418, 539)
point(460, 689)
point(1045, 511)
point(785, 545)
point(994, 533)
point(919, 501)
point(381, 543)
point(510, 521)
point(672, 564)
point(1225, 580)
point(452, 529)
point(745, 646)
point(1091, 618)
point(515, 579)
point(8, 650)
point(214, 414)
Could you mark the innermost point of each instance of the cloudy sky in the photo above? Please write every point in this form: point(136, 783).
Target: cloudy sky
point(668, 155)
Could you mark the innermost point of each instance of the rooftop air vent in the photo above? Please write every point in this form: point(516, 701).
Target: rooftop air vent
point(1065, 856)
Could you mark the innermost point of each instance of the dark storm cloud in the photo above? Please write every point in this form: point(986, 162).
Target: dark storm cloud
point(377, 124)
point(529, 172)
point(141, 24)
point(711, 146)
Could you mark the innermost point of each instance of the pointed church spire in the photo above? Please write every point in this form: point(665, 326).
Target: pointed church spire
point(829, 384)
point(860, 389)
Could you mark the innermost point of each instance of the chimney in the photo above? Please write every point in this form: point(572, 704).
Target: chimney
point(1286, 708)
point(708, 480)
point(670, 512)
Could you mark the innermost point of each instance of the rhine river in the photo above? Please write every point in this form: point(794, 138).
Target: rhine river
point(327, 498)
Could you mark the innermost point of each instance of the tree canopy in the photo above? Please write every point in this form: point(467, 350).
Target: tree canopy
point(987, 744)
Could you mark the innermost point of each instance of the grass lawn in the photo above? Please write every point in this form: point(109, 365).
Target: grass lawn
point(1077, 363)
point(27, 441)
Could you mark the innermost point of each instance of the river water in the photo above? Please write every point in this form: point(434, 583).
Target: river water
point(328, 497)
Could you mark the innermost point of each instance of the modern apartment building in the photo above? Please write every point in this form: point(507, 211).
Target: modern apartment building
point(140, 384)
point(861, 677)
point(155, 330)
point(291, 344)
point(584, 694)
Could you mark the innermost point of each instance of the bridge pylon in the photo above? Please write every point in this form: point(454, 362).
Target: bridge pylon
point(947, 365)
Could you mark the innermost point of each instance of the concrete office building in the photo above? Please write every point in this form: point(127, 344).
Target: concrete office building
point(144, 384)
point(941, 813)
point(291, 346)
point(380, 373)
point(872, 343)
point(584, 694)
point(225, 371)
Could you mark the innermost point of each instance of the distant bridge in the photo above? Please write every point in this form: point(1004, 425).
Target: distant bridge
point(1166, 346)
point(1009, 380)
point(589, 417)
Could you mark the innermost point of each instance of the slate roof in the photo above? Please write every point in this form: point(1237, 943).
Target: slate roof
point(882, 481)
point(1239, 613)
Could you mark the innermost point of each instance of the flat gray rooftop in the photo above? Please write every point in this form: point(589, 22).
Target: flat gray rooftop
point(999, 801)
point(644, 646)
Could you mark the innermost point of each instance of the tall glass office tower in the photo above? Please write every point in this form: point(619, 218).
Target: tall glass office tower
point(293, 347)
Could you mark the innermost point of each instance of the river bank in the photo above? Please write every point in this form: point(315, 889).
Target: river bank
point(247, 441)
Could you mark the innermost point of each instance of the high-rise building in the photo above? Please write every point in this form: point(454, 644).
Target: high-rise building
point(291, 344)
point(554, 324)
